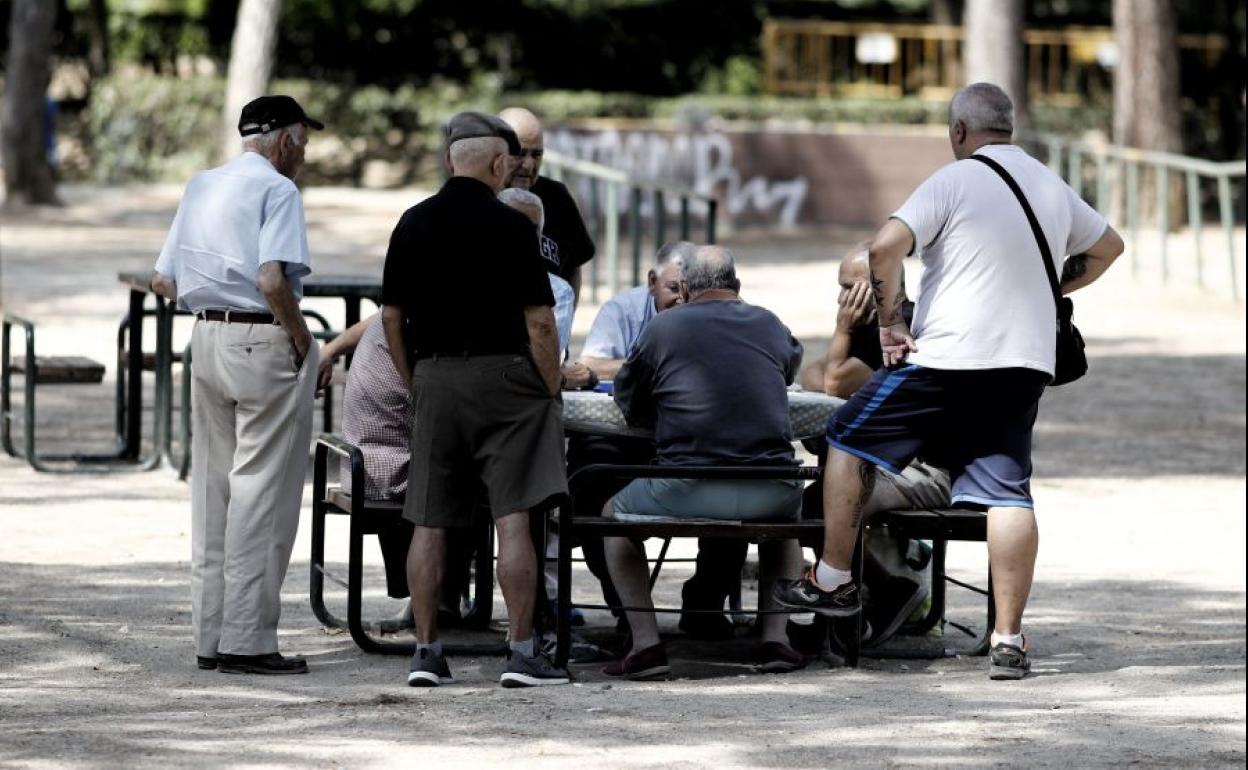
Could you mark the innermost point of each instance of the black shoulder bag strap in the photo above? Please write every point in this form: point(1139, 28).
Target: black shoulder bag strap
point(1041, 241)
point(1071, 362)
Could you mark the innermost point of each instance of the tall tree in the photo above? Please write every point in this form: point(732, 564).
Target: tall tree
point(251, 63)
point(23, 133)
point(1146, 89)
point(993, 50)
point(1146, 80)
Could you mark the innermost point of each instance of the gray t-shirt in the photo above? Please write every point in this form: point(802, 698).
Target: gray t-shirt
point(619, 324)
point(711, 378)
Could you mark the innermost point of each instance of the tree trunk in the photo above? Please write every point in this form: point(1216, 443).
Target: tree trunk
point(994, 50)
point(251, 63)
point(23, 133)
point(1146, 80)
point(1146, 90)
point(99, 57)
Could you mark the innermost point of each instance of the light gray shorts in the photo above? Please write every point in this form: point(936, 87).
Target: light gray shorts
point(752, 500)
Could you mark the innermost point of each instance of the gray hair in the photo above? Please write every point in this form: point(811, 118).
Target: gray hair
point(711, 267)
point(523, 199)
point(268, 141)
point(475, 152)
point(983, 107)
point(674, 251)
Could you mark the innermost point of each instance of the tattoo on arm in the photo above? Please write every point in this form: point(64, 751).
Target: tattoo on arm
point(877, 290)
point(866, 475)
point(1074, 268)
point(900, 300)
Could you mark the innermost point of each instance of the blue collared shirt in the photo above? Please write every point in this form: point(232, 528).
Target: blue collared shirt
point(231, 220)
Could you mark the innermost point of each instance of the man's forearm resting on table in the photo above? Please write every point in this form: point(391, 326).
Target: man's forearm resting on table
point(165, 287)
point(281, 300)
point(392, 322)
point(1079, 270)
point(605, 368)
point(544, 344)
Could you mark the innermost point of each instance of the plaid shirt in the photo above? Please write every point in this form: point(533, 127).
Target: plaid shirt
point(377, 417)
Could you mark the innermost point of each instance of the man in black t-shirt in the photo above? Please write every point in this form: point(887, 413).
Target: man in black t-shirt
point(485, 386)
point(565, 241)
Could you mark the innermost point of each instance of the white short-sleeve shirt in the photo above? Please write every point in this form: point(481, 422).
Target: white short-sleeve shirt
point(231, 220)
point(984, 299)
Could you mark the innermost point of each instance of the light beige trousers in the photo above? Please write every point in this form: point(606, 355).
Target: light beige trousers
point(252, 424)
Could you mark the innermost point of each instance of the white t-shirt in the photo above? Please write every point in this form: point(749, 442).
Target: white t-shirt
point(984, 300)
point(231, 220)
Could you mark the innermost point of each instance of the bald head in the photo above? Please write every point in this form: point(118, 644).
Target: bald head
point(711, 267)
point(532, 146)
point(855, 267)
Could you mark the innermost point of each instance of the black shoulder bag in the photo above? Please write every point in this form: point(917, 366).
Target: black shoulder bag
point(1071, 362)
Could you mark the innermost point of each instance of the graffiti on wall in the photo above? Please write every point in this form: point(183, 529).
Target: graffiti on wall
point(702, 162)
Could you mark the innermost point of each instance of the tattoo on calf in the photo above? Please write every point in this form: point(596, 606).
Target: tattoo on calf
point(866, 475)
point(1075, 267)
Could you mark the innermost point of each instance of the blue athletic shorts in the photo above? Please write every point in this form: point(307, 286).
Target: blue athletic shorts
point(976, 424)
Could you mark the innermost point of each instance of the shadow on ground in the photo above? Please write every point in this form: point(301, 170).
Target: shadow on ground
point(95, 666)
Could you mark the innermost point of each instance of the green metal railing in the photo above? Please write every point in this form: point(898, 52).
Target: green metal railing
point(607, 194)
point(1069, 158)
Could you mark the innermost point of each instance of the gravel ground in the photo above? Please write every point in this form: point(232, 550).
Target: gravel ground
point(1137, 618)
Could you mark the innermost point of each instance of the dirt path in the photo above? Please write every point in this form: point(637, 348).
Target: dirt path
point(1137, 616)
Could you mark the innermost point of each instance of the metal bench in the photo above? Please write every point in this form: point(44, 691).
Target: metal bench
point(36, 370)
point(366, 518)
point(939, 526)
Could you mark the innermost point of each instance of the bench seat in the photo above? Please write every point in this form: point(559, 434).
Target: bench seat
point(61, 370)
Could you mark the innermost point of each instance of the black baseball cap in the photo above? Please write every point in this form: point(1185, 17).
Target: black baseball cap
point(471, 125)
point(269, 113)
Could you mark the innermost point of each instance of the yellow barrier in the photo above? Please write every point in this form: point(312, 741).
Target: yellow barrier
point(824, 58)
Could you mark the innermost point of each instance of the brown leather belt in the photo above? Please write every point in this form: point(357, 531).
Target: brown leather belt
point(235, 317)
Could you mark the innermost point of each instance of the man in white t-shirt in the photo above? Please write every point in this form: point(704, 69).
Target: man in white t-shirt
point(236, 257)
point(961, 390)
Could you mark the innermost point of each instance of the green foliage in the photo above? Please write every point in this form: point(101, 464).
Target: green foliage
point(153, 128)
point(149, 128)
point(740, 76)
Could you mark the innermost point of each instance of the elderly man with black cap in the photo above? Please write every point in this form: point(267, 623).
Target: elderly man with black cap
point(483, 365)
point(236, 256)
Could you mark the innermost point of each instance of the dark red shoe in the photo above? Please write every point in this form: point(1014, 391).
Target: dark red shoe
point(777, 658)
point(650, 663)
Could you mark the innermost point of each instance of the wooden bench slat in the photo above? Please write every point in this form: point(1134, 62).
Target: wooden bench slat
point(342, 500)
point(62, 370)
point(951, 524)
point(149, 358)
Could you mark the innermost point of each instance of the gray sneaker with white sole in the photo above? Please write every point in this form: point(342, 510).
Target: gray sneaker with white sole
point(428, 669)
point(537, 671)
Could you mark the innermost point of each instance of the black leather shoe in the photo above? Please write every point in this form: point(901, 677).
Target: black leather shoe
point(273, 663)
point(207, 664)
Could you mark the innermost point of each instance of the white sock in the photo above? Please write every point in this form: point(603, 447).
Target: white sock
point(1014, 640)
point(829, 578)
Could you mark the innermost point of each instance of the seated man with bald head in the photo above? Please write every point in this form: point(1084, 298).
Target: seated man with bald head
point(565, 242)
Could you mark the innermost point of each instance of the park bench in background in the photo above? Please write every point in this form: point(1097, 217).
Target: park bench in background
point(36, 370)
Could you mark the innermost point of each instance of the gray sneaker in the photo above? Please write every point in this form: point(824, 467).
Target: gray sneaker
point(1008, 662)
point(428, 670)
point(537, 671)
